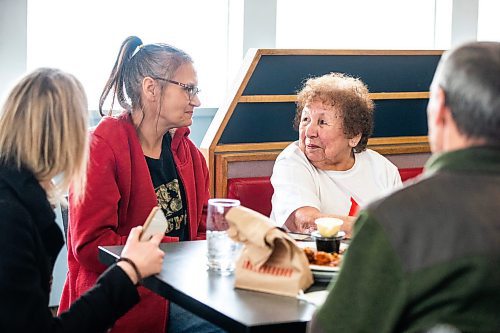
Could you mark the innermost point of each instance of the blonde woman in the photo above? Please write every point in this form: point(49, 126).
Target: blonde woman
point(43, 134)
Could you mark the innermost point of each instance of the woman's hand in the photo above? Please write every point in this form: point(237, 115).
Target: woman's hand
point(146, 255)
point(348, 224)
point(302, 221)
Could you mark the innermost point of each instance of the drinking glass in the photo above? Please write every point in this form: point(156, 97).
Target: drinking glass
point(222, 250)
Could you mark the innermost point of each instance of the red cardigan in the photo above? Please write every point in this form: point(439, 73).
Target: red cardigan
point(119, 196)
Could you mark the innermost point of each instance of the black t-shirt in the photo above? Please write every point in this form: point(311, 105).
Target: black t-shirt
point(169, 190)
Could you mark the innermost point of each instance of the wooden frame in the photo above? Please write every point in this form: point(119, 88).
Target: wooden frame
point(293, 98)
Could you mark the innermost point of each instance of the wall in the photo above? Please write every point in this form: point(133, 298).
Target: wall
point(13, 14)
point(201, 120)
point(60, 268)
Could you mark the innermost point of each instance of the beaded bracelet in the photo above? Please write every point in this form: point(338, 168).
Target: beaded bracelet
point(134, 266)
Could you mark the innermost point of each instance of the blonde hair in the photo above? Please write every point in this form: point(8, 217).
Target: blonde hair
point(43, 128)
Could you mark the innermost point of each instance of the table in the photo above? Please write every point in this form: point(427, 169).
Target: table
point(185, 281)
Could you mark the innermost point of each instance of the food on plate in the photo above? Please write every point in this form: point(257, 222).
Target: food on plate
point(322, 258)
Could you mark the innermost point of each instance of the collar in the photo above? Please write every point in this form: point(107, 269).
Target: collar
point(480, 159)
point(177, 134)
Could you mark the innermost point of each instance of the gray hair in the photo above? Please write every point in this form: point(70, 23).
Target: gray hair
point(470, 78)
point(349, 96)
point(136, 61)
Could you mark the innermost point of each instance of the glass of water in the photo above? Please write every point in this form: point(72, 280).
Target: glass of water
point(222, 250)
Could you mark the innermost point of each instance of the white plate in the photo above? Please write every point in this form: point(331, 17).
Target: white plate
point(303, 244)
point(320, 268)
point(314, 297)
point(324, 276)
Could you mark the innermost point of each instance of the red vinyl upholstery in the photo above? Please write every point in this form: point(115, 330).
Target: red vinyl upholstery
point(409, 173)
point(256, 192)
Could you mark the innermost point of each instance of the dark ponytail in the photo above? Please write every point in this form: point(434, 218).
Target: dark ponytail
point(116, 78)
point(136, 61)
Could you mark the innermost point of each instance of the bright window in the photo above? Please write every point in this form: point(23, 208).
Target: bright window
point(356, 24)
point(488, 26)
point(83, 37)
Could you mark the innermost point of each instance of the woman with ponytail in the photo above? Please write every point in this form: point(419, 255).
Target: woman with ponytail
point(139, 159)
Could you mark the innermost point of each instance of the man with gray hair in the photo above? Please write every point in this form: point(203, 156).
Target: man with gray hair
point(429, 254)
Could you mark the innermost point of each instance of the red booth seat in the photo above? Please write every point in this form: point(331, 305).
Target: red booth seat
point(408, 173)
point(256, 192)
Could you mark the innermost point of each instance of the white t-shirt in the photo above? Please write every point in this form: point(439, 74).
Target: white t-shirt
point(297, 183)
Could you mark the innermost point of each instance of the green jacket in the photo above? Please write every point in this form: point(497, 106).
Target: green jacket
point(428, 254)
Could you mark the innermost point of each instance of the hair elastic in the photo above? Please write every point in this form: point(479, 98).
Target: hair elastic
point(137, 49)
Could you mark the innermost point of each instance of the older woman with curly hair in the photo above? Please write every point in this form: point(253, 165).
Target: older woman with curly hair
point(329, 172)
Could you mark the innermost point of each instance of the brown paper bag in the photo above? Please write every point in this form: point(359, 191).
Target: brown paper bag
point(270, 260)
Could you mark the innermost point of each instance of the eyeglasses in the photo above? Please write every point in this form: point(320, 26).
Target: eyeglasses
point(190, 89)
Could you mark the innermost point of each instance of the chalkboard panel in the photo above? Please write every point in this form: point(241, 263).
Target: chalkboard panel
point(284, 74)
point(273, 122)
point(260, 122)
point(407, 117)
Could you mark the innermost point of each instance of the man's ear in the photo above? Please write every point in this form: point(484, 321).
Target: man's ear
point(149, 89)
point(442, 112)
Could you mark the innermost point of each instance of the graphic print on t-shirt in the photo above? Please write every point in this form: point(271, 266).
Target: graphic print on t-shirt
point(170, 200)
point(169, 190)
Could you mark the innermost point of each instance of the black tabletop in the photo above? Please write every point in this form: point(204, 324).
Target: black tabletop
point(184, 280)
